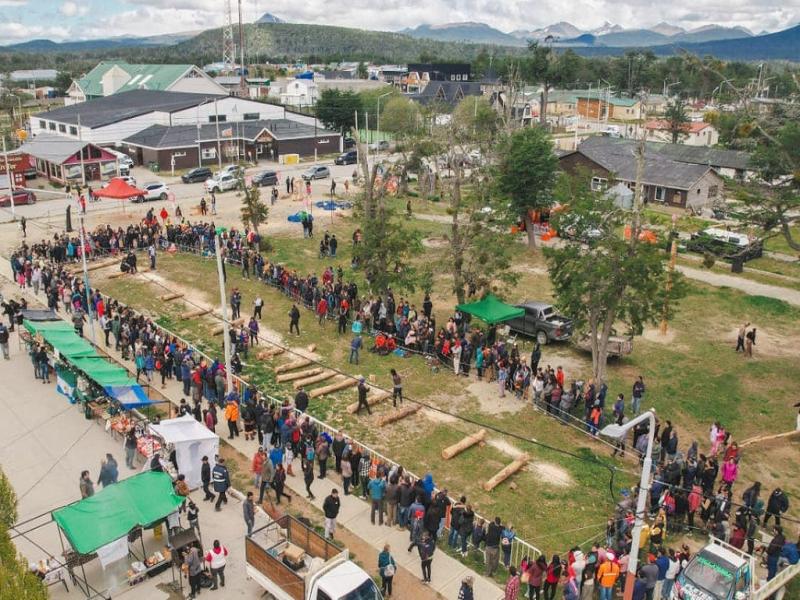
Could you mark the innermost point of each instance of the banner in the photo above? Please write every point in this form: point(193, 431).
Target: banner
point(65, 383)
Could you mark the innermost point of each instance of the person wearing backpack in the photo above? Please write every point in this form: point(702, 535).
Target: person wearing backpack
point(387, 568)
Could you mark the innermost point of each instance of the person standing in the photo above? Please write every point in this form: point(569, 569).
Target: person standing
point(512, 585)
point(777, 504)
point(4, 335)
point(387, 568)
point(377, 493)
point(194, 569)
point(308, 477)
point(222, 481)
point(466, 591)
point(217, 558)
point(86, 485)
point(397, 388)
point(249, 513)
point(740, 337)
point(637, 395)
point(493, 534)
point(294, 319)
point(151, 252)
point(267, 477)
point(130, 448)
point(331, 507)
point(279, 483)
point(362, 396)
point(749, 342)
point(232, 416)
point(205, 477)
point(258, 305)
point(426, 548)
point(109, 472)
point(355, 347)
point(774, 552)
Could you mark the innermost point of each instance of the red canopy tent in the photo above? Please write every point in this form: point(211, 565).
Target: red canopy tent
point(119, 189)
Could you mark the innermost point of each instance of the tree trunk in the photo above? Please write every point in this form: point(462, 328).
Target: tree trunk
point(456, 241)
point(543, 104)
point(526, 218)
point(787, 235)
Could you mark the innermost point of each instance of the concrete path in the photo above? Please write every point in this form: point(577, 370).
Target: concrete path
point(447, 572)
point(752, 288)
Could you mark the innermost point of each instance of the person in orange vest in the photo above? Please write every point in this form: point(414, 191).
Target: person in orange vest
point(232, 416)
point(607, 575)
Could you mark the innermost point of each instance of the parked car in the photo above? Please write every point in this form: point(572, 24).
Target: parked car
point(381, 145)
point(197, 174)
point(347, 158)
point(265, 178)
point(222, 182)
point(20, 197)
point(726, 244)
point(316, 173)
point(235, 170)
point(349, 142)
point(542, 322)
point(155, 190)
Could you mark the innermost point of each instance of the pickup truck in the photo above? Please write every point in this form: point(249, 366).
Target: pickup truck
point(291, 561)
point(618, 345)
point(542, 322)
point(720, 571)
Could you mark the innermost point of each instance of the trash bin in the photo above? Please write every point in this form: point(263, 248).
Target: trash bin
point(737, 264)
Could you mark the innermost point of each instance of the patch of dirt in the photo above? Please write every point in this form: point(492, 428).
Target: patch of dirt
point(768, 342)
point(438, 417)
point(434, 242)
point(547, 472)
point(488, 395)
point(522, 267)
point(654, 335)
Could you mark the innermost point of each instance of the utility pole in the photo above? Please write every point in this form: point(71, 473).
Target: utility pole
point(219, 143)
point(228, 50)
point(242, 80)
point(86, 279)
point(224, 308)
point(10, 181)
point(673, 256)
point(80, 139)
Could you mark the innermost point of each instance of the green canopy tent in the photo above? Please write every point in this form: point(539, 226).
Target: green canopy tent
point(35, 327)
point(116, 510)
point(491, 310)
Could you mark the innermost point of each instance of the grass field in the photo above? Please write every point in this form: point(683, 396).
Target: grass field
point(693, 377)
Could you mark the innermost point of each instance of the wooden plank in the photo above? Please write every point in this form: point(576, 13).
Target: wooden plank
point(766, 438)
point(506, 472)
point(199, 312)
point(168, 297)
point(312, 380)
point(298, 375)
point(218, 329)
point(334, 387)
point(373, 399)
point(270, 353)
point(295, 364)
point(397, 415)
point(465, 443)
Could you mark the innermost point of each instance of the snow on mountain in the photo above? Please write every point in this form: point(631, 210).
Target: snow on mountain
point(665, 28)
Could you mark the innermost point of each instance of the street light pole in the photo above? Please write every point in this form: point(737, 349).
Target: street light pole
point(86, 280)
point(617, 431)
point(378, 115)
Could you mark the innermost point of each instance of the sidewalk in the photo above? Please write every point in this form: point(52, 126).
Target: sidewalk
point(447, 572)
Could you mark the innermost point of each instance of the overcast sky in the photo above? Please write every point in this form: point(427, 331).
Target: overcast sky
point(80, 19)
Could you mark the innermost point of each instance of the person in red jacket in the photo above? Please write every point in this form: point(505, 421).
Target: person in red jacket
point(216, 558)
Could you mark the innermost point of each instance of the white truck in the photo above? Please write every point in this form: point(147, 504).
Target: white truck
point(720, 571)
point(291, 561)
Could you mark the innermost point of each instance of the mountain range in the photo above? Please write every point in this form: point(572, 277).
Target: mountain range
point(564, 34)
point(271, 37)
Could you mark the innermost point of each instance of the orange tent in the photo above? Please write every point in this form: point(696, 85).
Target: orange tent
point(645, 235)
point(118, 189)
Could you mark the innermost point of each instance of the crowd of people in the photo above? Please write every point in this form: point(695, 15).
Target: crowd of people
point(691, 490)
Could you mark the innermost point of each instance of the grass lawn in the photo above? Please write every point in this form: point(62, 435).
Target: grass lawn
point(693, 377)
point(778, 243)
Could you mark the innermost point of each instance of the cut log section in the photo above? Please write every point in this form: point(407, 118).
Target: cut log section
point(169, 297)
point(372, 400)
point(506, 472)
point(297, 375)
point(312, 380)
point(334, 387)
point(295, 364)
point(220, 328)
point(199, 312)
point(269, 353)
point(467, 442)
point(397, 415)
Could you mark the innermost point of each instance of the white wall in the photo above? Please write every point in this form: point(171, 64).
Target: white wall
point(234, 110)
point(197, 85)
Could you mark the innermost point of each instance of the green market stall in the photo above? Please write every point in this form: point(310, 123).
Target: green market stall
point(491, 310)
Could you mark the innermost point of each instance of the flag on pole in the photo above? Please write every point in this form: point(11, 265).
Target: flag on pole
point(65, 382)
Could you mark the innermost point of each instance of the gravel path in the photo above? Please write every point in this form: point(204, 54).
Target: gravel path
point(747, 286)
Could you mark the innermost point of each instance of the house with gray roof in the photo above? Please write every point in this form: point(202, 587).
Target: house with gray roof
point(666, 181)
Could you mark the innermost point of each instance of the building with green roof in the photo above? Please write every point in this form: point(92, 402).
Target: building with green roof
point(111, 77)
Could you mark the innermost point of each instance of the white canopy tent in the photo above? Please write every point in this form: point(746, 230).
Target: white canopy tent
point(192, 440)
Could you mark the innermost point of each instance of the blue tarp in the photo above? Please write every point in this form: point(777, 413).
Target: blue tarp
point(129, 396)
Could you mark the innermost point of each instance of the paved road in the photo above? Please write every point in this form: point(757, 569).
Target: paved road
point(752, 288)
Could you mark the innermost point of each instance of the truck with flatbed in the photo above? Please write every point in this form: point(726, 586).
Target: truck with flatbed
point(291, 561)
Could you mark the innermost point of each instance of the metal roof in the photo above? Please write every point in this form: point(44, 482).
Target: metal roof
point(450, 92)
point(151, 76)
point(697, 155)
point(620, 159)
point(52, 148)
point(162, 137)
point(123, 106)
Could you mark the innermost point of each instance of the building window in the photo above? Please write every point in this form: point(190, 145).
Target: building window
point(217, 118)
point(52, 126)
point(661, 193)
point(713, 190)
point(452, 77)
point(251, 116)
point(599, 184)
point(62, 128)
point(73, 130)
point(208, 153)
point(42, 125)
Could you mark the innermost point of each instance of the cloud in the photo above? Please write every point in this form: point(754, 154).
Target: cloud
point(16, 3)
point(71, 9)
point(13, 31)
point(146, 21)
